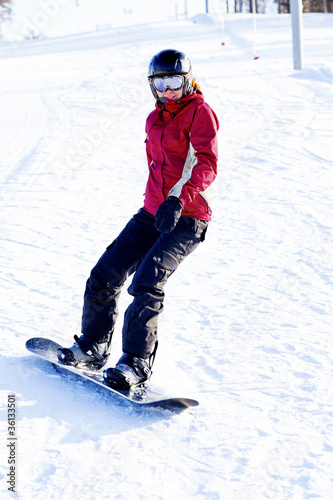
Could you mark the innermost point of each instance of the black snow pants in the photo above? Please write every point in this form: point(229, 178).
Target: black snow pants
point(153, 257)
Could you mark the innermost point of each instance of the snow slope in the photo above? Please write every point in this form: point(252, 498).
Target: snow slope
point(247, 322)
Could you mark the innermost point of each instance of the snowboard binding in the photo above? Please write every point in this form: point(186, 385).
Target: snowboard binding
point(130, 371)
point(84, 353)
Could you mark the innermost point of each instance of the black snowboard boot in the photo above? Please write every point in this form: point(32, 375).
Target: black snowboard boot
point(129, 371)
point(85, 353)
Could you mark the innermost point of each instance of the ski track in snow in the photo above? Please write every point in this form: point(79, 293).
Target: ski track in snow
point(247, 321)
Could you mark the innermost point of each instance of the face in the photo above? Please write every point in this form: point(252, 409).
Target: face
point(173, 95)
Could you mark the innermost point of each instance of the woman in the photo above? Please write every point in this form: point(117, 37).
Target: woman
point(181, 148)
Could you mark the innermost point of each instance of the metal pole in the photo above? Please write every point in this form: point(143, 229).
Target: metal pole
point(78, 16)
point(206, 6)
point(254, 11)
point(296, 8)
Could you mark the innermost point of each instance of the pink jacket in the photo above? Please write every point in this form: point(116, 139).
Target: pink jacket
point(181, 148)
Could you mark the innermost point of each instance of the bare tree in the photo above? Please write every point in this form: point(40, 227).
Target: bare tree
point(5, 9)
point(5, 12)
point(308, 6)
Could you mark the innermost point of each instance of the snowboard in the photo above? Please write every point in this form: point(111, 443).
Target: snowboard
point(139, 395)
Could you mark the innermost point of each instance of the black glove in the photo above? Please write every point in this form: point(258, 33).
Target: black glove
point(168, 214)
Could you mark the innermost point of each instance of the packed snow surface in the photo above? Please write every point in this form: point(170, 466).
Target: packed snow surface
point(247, 327)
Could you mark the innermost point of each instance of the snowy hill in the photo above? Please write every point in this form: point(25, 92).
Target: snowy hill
point(248, 317)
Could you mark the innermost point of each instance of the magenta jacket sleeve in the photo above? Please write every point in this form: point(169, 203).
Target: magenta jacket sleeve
point(201, 163)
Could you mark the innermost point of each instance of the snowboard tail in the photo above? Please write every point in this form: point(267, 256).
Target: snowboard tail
point(140, 395)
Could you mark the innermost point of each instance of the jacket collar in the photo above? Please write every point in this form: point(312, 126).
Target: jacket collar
point(173, 107)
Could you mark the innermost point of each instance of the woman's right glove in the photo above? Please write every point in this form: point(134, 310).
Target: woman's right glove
point(168, 214)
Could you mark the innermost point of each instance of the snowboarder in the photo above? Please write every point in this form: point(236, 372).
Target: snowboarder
point(181, 148)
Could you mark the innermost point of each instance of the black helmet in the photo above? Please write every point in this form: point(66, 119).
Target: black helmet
point(167, 63)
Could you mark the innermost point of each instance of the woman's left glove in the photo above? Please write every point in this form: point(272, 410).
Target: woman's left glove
point(168, 214)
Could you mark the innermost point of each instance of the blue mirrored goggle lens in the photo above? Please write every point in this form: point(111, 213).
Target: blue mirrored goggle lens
point(168, 82)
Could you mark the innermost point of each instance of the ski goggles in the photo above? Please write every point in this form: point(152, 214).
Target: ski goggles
point(168, 82)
